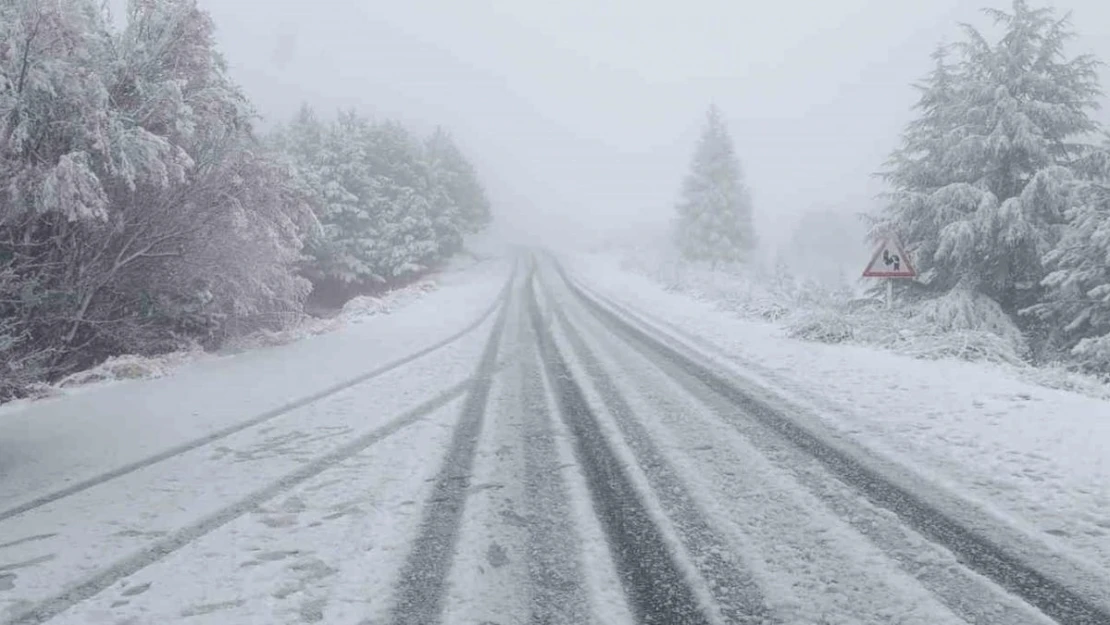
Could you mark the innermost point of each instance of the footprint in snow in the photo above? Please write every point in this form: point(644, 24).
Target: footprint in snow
point(273, 556)
point(496, 556)
point(136, 590)
point(293, 505)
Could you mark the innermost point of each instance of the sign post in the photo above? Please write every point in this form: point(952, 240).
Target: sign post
point(890, 261)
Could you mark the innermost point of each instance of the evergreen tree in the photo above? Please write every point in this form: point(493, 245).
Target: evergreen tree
point(401, 202)
point(983, 176)
point(1077, 301)
point(457, 176)
point(387, 206)
point(715, 212)
point(346, 251)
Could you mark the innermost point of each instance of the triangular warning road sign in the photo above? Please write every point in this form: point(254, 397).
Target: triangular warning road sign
point(890, 261)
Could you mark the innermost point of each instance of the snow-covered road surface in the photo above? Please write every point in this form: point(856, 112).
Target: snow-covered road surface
point(558, 460)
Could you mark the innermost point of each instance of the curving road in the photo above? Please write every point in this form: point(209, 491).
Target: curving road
point(562, 460)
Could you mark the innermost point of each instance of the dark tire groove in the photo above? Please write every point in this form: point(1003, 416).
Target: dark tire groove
point(422, 581)
point(977, 552)
point(554, 571)
point(656, 588)
point(734, 591)
point(269, 415)
point(967, 594)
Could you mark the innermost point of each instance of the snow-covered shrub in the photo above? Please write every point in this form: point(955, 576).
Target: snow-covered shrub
point(366, 306)
point(972, 345)
point(963, 312)
point(1093, 353)
point(130, 367)
point(1066, 377)
point(20, 366)
point(961, 325)
point(825, 326)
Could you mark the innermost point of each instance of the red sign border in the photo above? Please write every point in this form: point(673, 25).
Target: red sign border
point(910, 272)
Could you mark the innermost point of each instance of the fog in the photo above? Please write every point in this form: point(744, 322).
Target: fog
point(582, 115)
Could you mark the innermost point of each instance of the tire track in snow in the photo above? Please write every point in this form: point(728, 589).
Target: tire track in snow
point(975, 551)
point(733, 591)
point(423, 579)
point(269, 415)
point(46, 610)
point(716, 435)
point(654, 582)
point(558, 597)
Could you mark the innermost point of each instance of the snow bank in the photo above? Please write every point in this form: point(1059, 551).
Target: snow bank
point(356, 311)
point(129, 367)
point(133, 367)
point(960, 326)
point(359, 308)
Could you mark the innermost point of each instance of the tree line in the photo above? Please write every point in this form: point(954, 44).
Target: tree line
point(142, 212)
point(999, 187)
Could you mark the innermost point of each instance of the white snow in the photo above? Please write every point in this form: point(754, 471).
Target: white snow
point(326, 551)
point(802, 548)
point(1035, 458)
point(489, 579)
point(114, 520)
point(48, 444)
point(599, 573)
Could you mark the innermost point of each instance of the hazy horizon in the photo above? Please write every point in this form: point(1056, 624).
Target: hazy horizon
point(583, 115)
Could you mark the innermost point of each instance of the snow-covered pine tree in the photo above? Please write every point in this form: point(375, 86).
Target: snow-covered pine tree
point(1077, 301)
point(447, 215)
point(401, 202)
point(380, 216)
point(982, 178)
point(347, 251)
point(715, 211)
point(458, 177)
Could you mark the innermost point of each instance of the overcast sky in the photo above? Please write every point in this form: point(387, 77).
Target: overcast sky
point(585, 112)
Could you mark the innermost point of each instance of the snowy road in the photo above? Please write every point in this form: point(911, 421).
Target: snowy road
point(560, 461)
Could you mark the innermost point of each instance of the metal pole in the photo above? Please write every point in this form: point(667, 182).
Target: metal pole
point(889, 293)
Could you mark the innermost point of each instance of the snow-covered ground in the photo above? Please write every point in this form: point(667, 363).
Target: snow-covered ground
point(1033, 457)
point(173, 495)
point(546, 462)
point(815, 549)
point(49, 444)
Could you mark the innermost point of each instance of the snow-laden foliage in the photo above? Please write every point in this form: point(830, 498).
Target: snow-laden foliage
point(985, 179)
point(138, 212)
point(1077, 304)
point(715, 211)
point(388, 207)
point(461, 203)
point(962, 325)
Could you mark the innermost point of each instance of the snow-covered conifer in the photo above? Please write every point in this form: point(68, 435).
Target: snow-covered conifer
point(715, 211)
